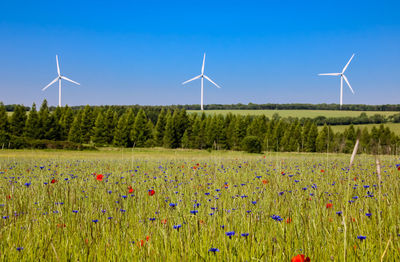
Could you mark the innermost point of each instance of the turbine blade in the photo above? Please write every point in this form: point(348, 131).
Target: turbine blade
point(344, 69)
point(206, 77)
point(58, 66)
point(330, 74)
point(72, 81)
point(52, 82)
point(347, 81)
point(190, 80)
point(204, 60)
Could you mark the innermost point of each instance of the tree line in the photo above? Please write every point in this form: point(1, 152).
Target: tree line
point(174, 128)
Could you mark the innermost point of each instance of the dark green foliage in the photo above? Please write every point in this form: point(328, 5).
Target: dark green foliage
point(17, 123)
point(251, 144)
point(133, 126)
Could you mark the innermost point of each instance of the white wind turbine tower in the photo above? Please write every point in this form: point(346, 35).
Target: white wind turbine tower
point(202, 76)
point(59, 77)
point(342, 76)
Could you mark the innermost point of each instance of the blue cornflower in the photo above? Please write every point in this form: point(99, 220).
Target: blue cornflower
point(75, 211)
point(27, 184)
point(361, 237)
point(339, 213)
point(213, 249)
point(152, 219)
point(110, 218)
point(20, 248)
point(254, 202)
point(368, 214)
point(177, 227)
point(172, 204)
point(95, 220)
point(276, 218)
point(230, 234)
point(245, 234)
point(194, 212)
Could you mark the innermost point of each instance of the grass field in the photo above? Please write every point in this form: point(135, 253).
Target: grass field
point(171, 205)
point(395, 127)
point(296, 113)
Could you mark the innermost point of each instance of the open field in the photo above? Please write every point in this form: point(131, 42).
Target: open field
point(171, 205)
point(296, 113)
point(395, 127)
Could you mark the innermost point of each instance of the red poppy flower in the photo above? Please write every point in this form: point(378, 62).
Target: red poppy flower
point(99, 177)
point(300, 258)
point(322, 171)
point(151, 192)
point(9, 197)
point(329, 205)
point(164, 221)
point(147, 238)
point(130, 189)
point(53, 181)
point(265, 182)
point(398, 168)
point(288, 220)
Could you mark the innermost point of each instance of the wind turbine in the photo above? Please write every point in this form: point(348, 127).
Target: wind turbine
point(342, 76)
point(59, 77)
point(202, 76)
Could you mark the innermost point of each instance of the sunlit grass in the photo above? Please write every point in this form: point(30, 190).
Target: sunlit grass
point(224, 184)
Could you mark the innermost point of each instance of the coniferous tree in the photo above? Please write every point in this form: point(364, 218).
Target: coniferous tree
point(44, 119)
point(75, 133)
point(66, 122)
point(87, 124)
point(141, 131)
point(322, 143)
point(4, 128)
point(17, 123)
point(169, 133)
point(100, 135)
point(160, 128)
point(32, 124)
point(110, 123)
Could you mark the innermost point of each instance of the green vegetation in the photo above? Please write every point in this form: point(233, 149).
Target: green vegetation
point(295, 113)
point(394, 127)
point(171, 205)
point(147, 127)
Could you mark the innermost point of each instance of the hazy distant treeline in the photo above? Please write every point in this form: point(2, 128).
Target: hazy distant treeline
point(141, 126)
point(251, 106)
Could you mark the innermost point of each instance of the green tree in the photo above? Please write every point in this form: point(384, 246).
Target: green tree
point(141, 131)
point(18, 119)
point(99, 131)
point(4, 127)
point(32, 123)
point(75, 133)
point(87, 124)
point(160, 128)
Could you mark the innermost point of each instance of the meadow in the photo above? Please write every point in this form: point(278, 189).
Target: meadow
point(189, 205)
point(296, 113)
point(395, 127)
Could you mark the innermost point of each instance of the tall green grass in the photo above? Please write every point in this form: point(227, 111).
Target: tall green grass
point(233, 181)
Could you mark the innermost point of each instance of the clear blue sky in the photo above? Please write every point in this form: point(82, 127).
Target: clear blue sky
point(139, 52)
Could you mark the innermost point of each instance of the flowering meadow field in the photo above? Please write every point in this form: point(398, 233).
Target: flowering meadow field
point(197, 206)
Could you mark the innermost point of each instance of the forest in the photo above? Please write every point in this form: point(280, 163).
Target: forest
point(173, 127)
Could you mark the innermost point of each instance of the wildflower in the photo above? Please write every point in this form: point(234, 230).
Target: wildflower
point(322, 171)
point(53, 181)
point(230, 234)
point(329, 205)
point(194, 212)
point(75, 211)
point(27, 184)
point(276, 218)
point(151, 192)
point(20, 248)
point(99, 177)
point(164, 221)
point(265, 181)
point(130, 189)
point(361, 237)
point(245, 234)
point(95, 220)
point(339, 213)
point(288, 220)
point(147, 238)
point(368, 214)
point(177, 227)
point(172, 204)
point(300, 258)
point(213, 249)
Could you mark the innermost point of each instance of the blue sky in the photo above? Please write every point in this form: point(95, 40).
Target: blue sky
point(139, 52)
